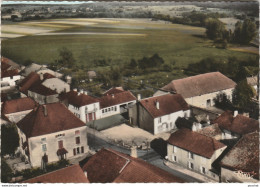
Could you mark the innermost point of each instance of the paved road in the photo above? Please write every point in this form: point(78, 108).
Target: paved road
point(96, 143)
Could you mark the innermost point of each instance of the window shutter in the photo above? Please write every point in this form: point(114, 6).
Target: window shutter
point(82, 149)
point(74, 151)
point(77, 140)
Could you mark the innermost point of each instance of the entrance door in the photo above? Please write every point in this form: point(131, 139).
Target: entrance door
point(208, 103)
point(60, 144)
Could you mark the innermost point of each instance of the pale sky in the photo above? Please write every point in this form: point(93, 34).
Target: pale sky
point(44, 2)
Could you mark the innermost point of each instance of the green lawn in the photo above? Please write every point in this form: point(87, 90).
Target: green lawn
point(172, 42)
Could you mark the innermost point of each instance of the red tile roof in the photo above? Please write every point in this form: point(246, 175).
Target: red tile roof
point(4, 65)
point(78, 100)
point(200, 84)
point(25, 84)
point(70, 174)
point(18, 105)
point(9, 73)
point(58, 118)
point(168, 103)
point(239, 124)
point(244, 155)
point(195, 142)
point(6, 69)
point(42, 90)
point(108, 165)
point(114, 91)
point(115, 99)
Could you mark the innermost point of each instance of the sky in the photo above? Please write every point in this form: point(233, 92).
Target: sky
point(44, 2)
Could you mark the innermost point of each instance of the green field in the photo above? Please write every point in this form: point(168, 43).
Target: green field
point(138, 38)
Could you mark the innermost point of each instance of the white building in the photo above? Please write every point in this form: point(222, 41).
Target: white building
point(50, 133)
point(9, 74)
point(17, 109)
point(234, 126)
point(241, 163)
point(82, 105)
point(201, 90)
point(194, 151)
point(158, 114)
point(56, 84)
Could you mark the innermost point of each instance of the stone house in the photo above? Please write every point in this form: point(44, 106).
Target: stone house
point(16, 109)
point(158, 114)
point(56, 84)
point(201, 90)
point(234, 126)
point(70, 174)
point(51, 132)
point(9, 74)
point(121, 168)
point(194, 151)
point(82, 105)
point(241, 163)
point(116, 103)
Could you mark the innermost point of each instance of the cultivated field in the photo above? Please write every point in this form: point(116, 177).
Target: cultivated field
point(116, 39)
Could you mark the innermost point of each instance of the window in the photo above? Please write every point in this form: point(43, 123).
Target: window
point(77, 132)
point(208, 103)
point(82, 149)
point(115, 108)
point(44, 147)
point(203, 170)
point(190, 155)
point(191, 166)
point(78, 150)
point(112, 108)
point(159, 120)
point(74, 151)
point(102, 111)
point(43, 139)
point(174, 158)
point(78, 140)
point(60, 144)
point(105, 110)
point(59, 135)
point(108, 109)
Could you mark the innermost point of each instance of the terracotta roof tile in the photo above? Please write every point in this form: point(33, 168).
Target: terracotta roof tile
point(9, 73)
point(115, 99)
point(200, 84)
point(244, 155)
point(42, 90)
point(239, 124)
point(168, 103)
point(18, 105)
point(27, 82)
point(195, 142)
point(78, 100)
point(4, 64)
point(70, 174)
point(112, 166)
point(58, 118)
point(114, 90)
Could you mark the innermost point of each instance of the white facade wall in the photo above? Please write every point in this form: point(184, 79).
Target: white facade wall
point(167, 122)
point(15, 117)
point(182, 157)
point(81, 112)
point(57, 85)
point(41, 99)
point(235, 176)
point(69, 143)
point(201, 101)
point(11, 80)
point(229, 135)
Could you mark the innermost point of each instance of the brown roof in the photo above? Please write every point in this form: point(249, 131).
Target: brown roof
point(6, 69)
point(70, 174)
point(114, 91)
point(168, 103)
point(58, 118)
point(244, 155)
point(18, 105)
point(9, 73)
point(42, 90)
point(108, 165)
point(27, 82)
point(239, 124)
point(195, 142)
point(200, 84)
point(115, 99)
point(78, 100)
point(4, 65)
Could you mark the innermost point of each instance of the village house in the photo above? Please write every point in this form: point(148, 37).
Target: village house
point(82, 105)
point(194, 151)
point(121, 168)
point(234, 126)
point(241, 163)
point(70, 174)
point(16, 109)
point(56, 84)
point(50, 133)
point(39, 69)
point(116, 102)
point(9, 74)
point(201, 90)
point(254, 82)
point(158, 114)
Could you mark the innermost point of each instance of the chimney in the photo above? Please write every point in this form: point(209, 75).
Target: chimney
point(45, 110)
point(235, 113)
point(86, 174)
point(75, 90)
point(133, 152)
point(85, 92)
point(41, 76)
point(81, 91)
point(138, 97)
point(113, 96)
point(157, 104)
point(68, 79)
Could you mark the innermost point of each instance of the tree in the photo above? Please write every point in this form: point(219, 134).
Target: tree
point(66, 58)
point(6, 171)
point(244, 33)
point(221, 101)
point(214, 29)
point(242, 94)
point(9, 139)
